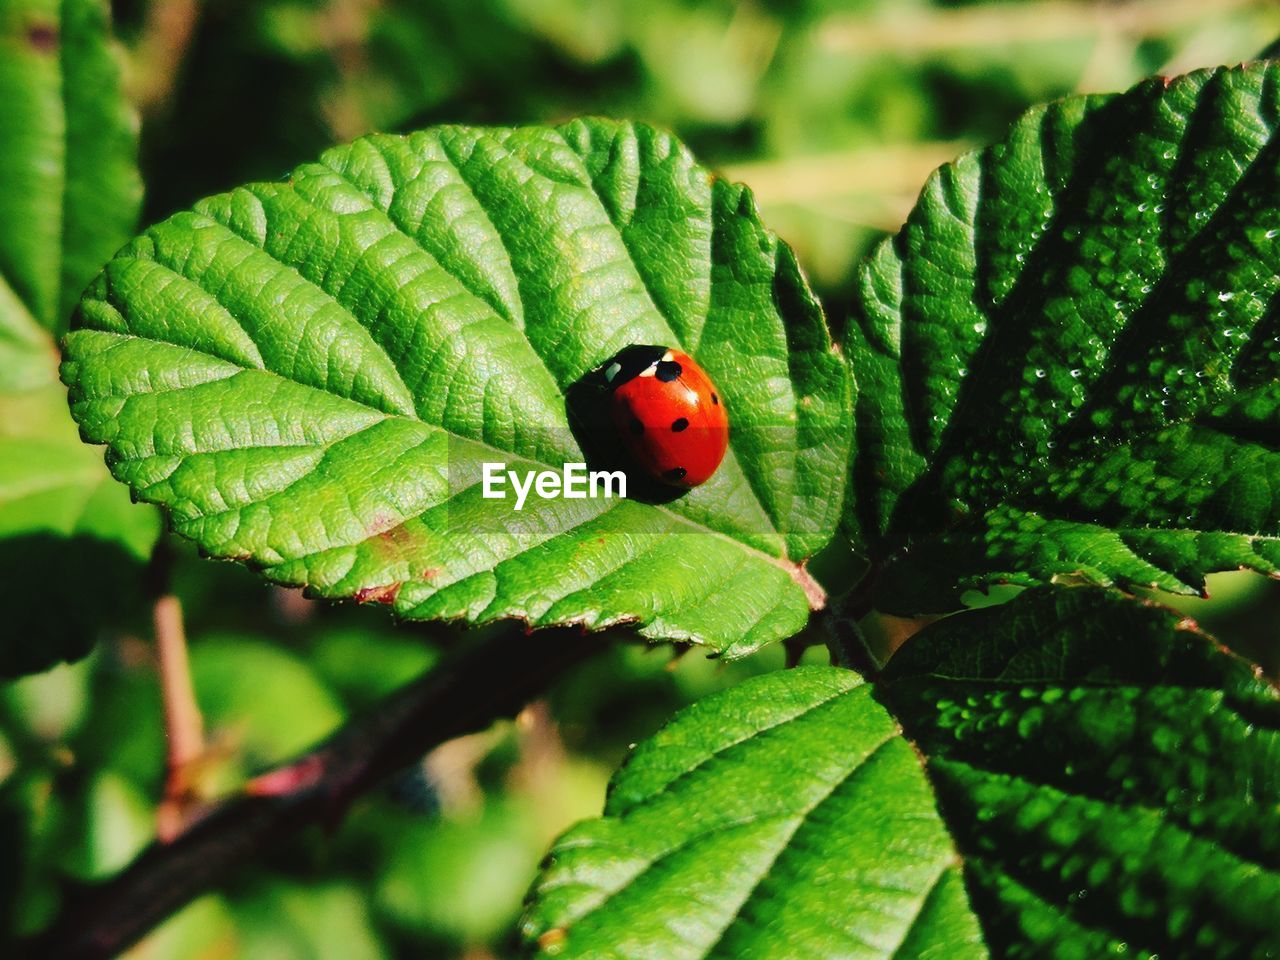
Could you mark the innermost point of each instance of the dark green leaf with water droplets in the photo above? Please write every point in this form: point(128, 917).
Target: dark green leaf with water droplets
point(1100, 774)
point(1108, 773)
point(71, 545)
point(1069, 359)
point(309, 375)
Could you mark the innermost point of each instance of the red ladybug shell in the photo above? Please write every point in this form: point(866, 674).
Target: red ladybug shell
point(668, 413)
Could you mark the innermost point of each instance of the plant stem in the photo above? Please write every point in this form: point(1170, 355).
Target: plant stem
point(183, 725)
point(465, 693)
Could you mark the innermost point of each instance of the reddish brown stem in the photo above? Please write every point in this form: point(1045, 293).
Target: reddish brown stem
point(465, 693)
point(183, 725)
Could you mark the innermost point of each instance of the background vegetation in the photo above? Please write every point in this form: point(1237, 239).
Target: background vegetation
point(834, 112)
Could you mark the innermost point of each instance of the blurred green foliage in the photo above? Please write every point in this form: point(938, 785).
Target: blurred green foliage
point(833, 111)
point(436, 863)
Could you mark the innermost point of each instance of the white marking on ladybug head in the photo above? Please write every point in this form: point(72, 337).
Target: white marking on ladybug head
point(667, 356)
point(650, 370)
point(611, 371)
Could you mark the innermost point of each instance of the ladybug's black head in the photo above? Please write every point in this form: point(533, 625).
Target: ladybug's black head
point(637, 360)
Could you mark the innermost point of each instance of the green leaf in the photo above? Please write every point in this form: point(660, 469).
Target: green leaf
point(71, 545)
point(782, 818)
point(1104, 771)
point(309, 375)
point(69, 183)
point(1069, 359)
point(1108, 773)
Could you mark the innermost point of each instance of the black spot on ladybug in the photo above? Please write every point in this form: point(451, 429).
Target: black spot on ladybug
point(681, 423)
point(715, 399)
point(667, 370)
point(636, 426)
point(676, 473)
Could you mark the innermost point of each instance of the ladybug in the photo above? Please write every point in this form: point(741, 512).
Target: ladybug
point(668, 414)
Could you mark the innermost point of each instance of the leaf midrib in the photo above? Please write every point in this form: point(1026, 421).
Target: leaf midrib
point(587, 183)
point(373, 207)
point(782, 562)
point(782, 559)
